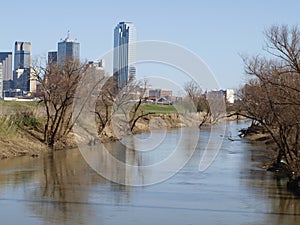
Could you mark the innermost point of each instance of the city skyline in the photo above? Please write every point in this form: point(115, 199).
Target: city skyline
point(16, 77)
point(217, 31)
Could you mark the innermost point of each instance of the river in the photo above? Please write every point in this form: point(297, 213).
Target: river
point(61, 188)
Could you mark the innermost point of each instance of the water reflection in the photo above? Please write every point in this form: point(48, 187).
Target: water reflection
point(60, 192)
point(61, 188)
point(276, 202)
point(139, 165)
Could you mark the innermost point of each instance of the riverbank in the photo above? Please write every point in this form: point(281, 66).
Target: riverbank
point(154, 122)
point(21, 145)
point(15, 141)
point(280, 169)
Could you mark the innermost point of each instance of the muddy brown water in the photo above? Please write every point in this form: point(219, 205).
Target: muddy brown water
point(62, 189)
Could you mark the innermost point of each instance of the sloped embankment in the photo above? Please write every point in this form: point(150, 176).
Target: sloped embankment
point(15, 142)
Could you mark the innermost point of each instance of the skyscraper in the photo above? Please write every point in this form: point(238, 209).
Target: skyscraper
point(22, 67)
point(52, 57)
point(68, 49)
point(22, 58)
point(6, 60)
point(1, 81)
point(124, 53)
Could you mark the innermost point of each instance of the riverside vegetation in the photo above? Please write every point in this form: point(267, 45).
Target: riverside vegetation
point(271, 98)
point(21, 127)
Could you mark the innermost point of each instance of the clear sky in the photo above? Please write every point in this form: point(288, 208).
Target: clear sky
point(216, 30)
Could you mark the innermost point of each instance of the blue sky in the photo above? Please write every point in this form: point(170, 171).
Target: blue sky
point(217, 31)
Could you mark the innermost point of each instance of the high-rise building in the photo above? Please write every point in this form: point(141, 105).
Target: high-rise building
point(22, 59)
point(52, 57)
point(1, 81)
point(68, 49)
point(124, 53)
point(22, 76)
point(6, 60)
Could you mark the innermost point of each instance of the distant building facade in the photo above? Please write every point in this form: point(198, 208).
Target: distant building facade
point(159, 94)
point(1, 81)
point(22, 75)
point(124, 68)
point(6, 60)
point(68, 49)
point(52, 57)
point(230, 96)
point(5, 71)
point(8, 85)
point(22, 57)
point(100, 64)
point(96, 68)
point(227, 95)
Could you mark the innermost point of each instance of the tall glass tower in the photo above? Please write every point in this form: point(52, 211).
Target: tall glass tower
point(68, 49)
point(124, 53)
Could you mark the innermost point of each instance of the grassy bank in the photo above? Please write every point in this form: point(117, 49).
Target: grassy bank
point(14, 140)
point(159, 109)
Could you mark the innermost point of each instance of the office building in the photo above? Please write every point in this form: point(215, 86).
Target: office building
point(124, 53)
point(68, 49)
point(1, 81)
point(22, 57)
point(22, 76)
point(6, 61)
point(52, 57)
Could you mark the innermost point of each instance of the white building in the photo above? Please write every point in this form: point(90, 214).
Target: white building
point(124, 53)
point(230, 96)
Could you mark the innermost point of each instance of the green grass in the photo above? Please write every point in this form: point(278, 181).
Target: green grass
point(11, 107)
point(159, 109)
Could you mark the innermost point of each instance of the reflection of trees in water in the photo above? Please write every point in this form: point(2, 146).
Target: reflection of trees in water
point(68, 189)
point(62, 189)
point(17, 172)
point(282, 207)
point(63, 198)
point(116, 162)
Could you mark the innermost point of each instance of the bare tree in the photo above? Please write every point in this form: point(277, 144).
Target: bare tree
point(105, 103)
point(272, 95)
point(198, 100)
point(122, 105)
point(136, 112)
point(194, 92)
point(58, 84)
